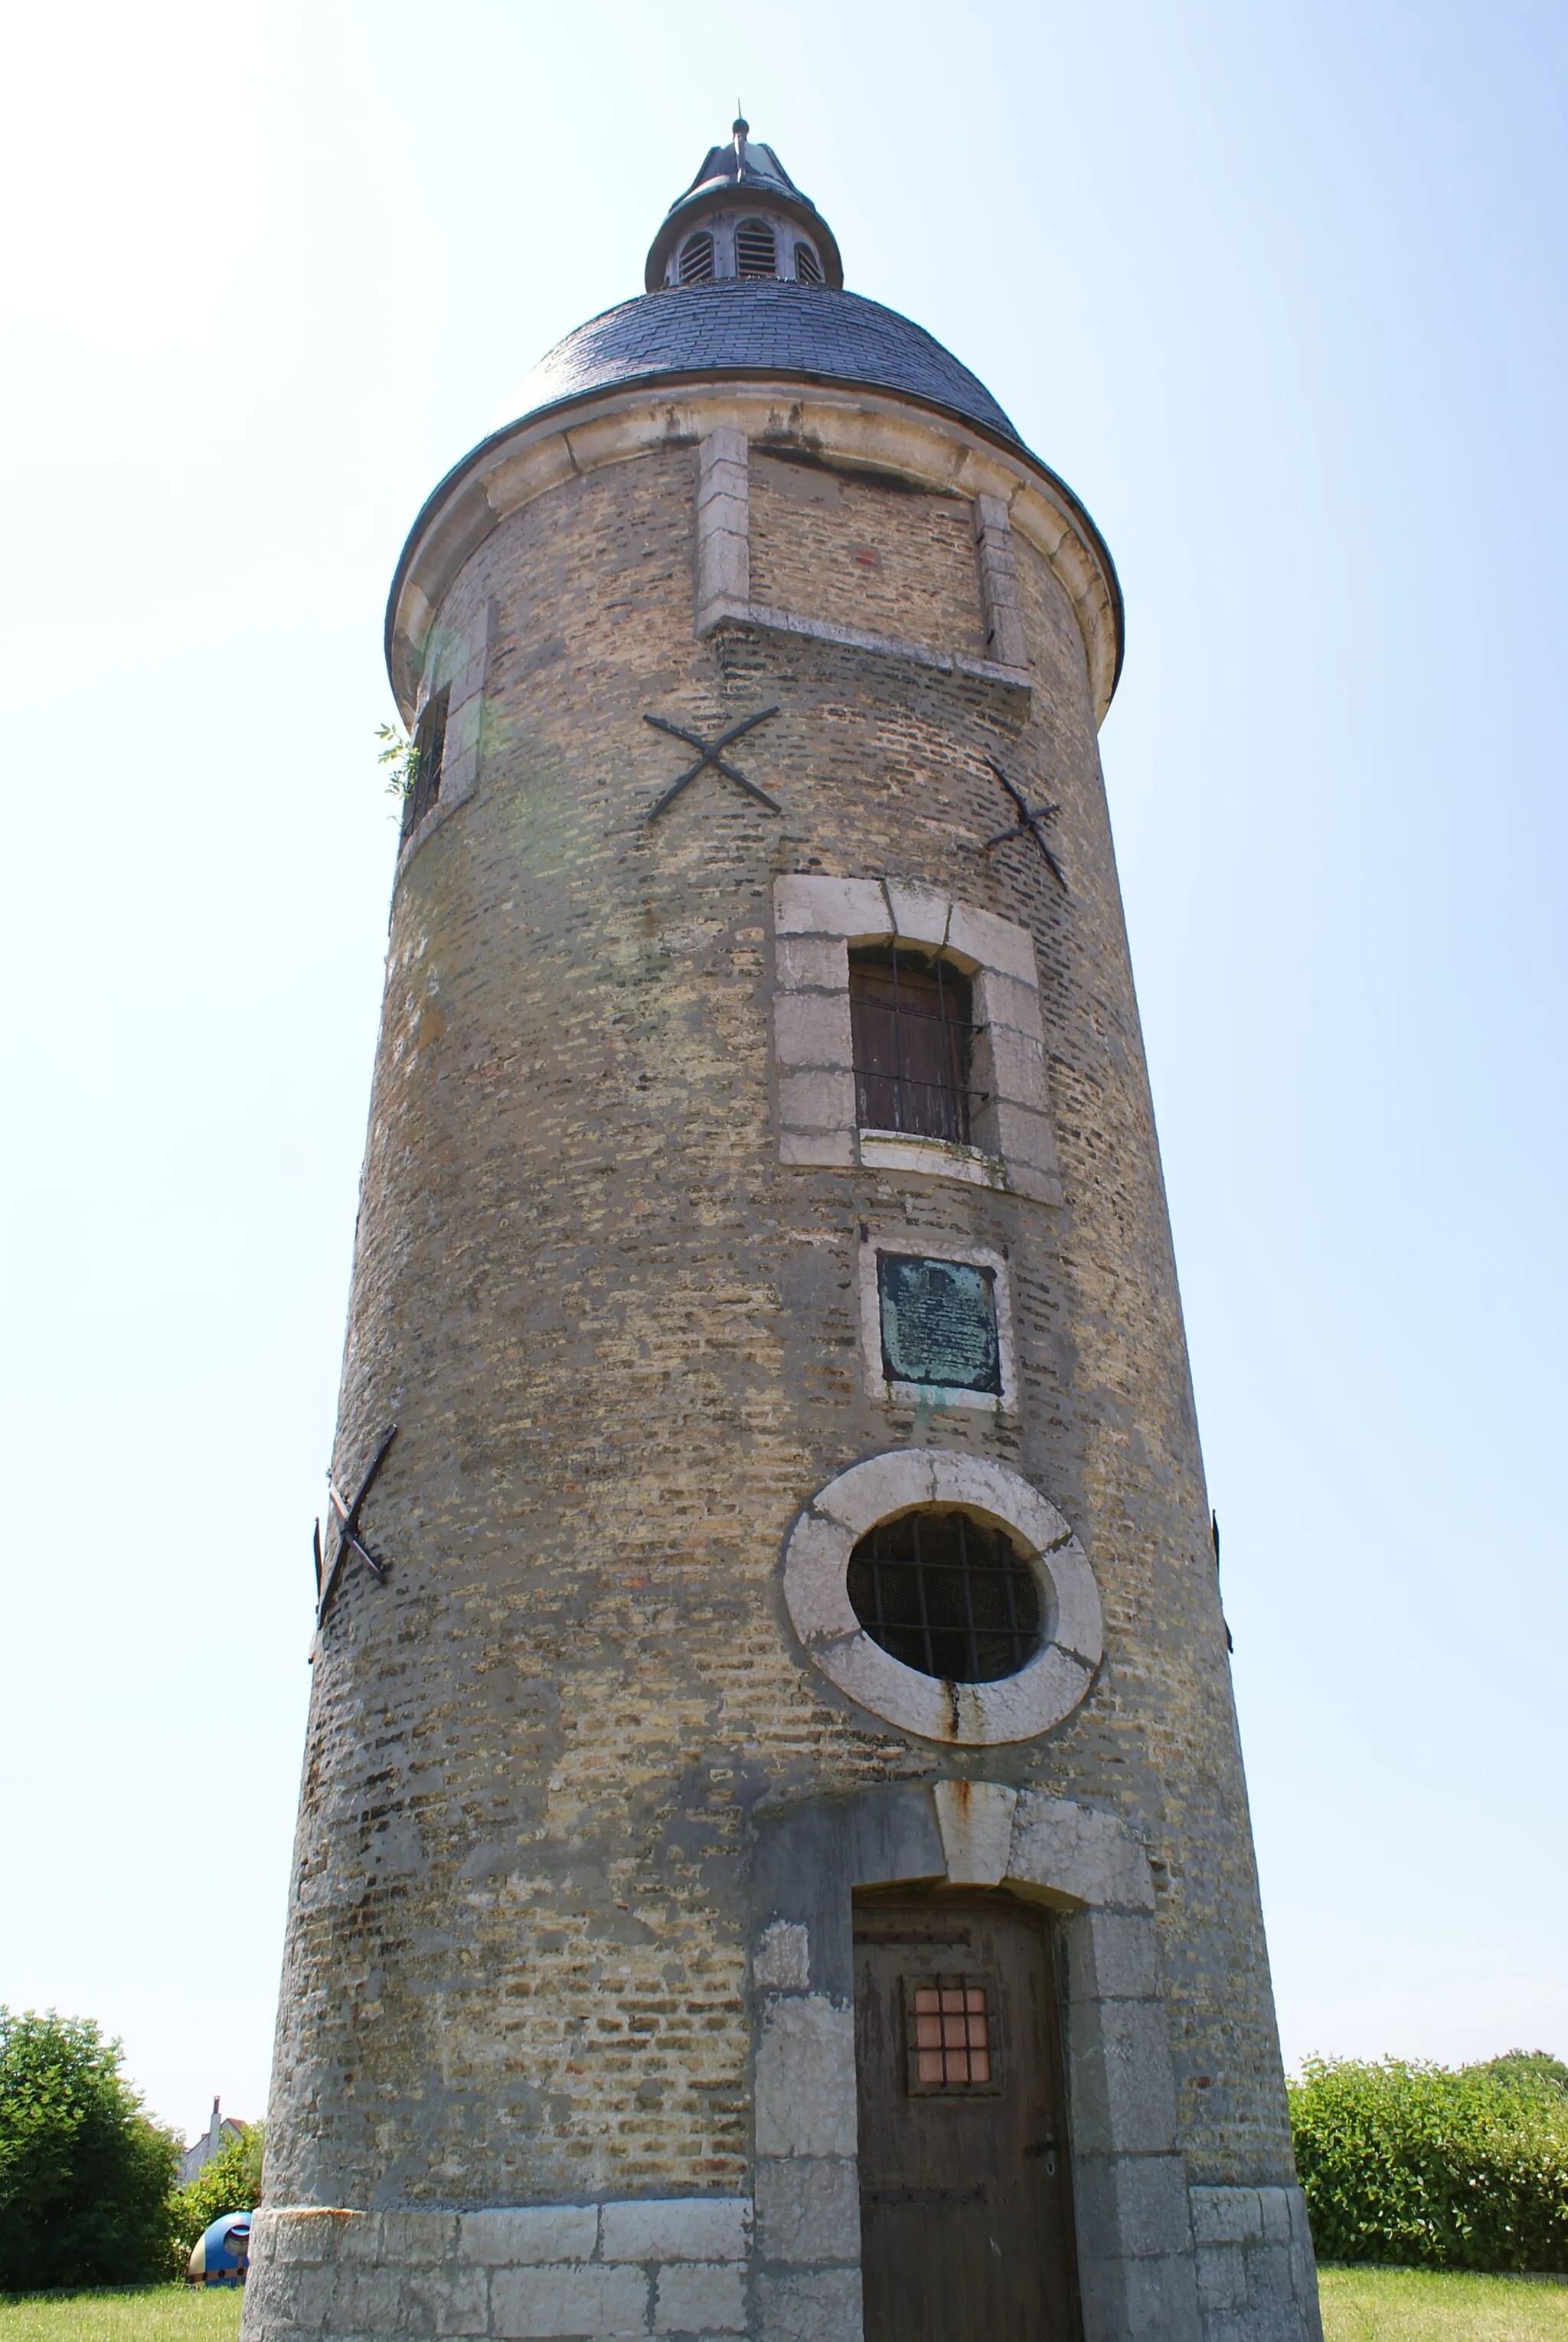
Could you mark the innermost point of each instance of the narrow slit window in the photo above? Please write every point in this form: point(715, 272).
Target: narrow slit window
point(429, 751)
point(910, 1018)
point(697, 259)
point(807, 267)
point(756, 251)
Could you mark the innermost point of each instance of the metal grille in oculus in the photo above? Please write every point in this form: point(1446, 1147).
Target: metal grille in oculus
point(946, 1595)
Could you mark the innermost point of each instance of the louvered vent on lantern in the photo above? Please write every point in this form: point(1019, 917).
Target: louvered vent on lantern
point(807, 269)
point(697, 259)
point(756, 254)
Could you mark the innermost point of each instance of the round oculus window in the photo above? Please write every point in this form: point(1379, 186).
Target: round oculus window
point(947, 1594)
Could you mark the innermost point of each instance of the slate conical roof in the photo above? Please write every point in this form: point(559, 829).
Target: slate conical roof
point(742, 326)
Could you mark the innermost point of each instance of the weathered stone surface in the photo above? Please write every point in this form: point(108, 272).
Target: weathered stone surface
point(1080, 1852)
point(811, 962)
point(808, 2209)
point(1123, 2102)
point(306, 2236)
point(819, 1099)
point(819, 1604)
point(783, 1961)
point(533, 2233)
point(834, 1148)
point(368, 2300)
point(569, 2299)
point(975, 1818)
point(700, 2297)
point(1113, 1955)
point(441, 2301)
point(1227, 2216)
point(1012, 1004)
point(1133, 2204)
point(811, 1029)
point(408, 2239)
point(687, 2228)
point(1005, 945)
point(819, 2306)
point(1129, 2300)
point(920, 914)
point(806, 2078)
point(844, 906)
point(1255, 2275)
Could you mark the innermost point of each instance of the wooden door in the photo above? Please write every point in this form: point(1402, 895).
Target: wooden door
point(966, 2199)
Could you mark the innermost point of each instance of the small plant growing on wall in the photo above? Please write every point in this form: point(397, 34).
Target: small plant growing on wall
point(399, 755)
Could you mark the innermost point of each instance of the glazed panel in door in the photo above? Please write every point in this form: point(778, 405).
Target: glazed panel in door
point(965, 2202)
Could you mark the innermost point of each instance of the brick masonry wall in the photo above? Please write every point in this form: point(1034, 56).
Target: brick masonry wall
point(857, 553)
point(621, 1340)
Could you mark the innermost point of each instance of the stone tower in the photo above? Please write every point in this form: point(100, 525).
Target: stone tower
point(774, 1856)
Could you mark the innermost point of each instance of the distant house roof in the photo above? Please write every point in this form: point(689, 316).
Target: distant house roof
point(222, 2131)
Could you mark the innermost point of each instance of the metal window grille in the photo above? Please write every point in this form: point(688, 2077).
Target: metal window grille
point(946, 1595)
point(950, 2035)
point(756, 252)
point(807, 269)
point(910, 1019)
point(697, 259)
point(429, 750)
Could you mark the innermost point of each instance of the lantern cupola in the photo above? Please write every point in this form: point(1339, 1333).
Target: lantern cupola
point(742, 216)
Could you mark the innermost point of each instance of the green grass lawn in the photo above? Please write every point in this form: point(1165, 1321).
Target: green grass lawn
point(1373, 2305)
point(1359, 2304)
point(153, 2313)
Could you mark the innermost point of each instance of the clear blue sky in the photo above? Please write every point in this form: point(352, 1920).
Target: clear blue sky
point(1279, 289)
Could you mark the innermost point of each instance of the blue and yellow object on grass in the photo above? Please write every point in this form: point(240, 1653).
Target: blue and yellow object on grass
point(222, 2253)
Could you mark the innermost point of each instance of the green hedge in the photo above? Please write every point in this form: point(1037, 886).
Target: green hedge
point(86, 2182)
point(1423, 2167)
point(84, 2177)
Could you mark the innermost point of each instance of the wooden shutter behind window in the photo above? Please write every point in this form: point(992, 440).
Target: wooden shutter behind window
point(910, 1018)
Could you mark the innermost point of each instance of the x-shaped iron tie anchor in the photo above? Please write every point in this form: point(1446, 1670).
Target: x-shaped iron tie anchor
point(348, 1538)
point(709, 752)
point(1027, 824)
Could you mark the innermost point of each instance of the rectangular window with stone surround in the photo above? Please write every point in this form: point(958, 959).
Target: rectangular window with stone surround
point(429, 750)
point(1007, 1142)
point(447, 728)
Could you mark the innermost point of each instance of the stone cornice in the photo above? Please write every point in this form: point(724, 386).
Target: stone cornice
point(855, 428)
